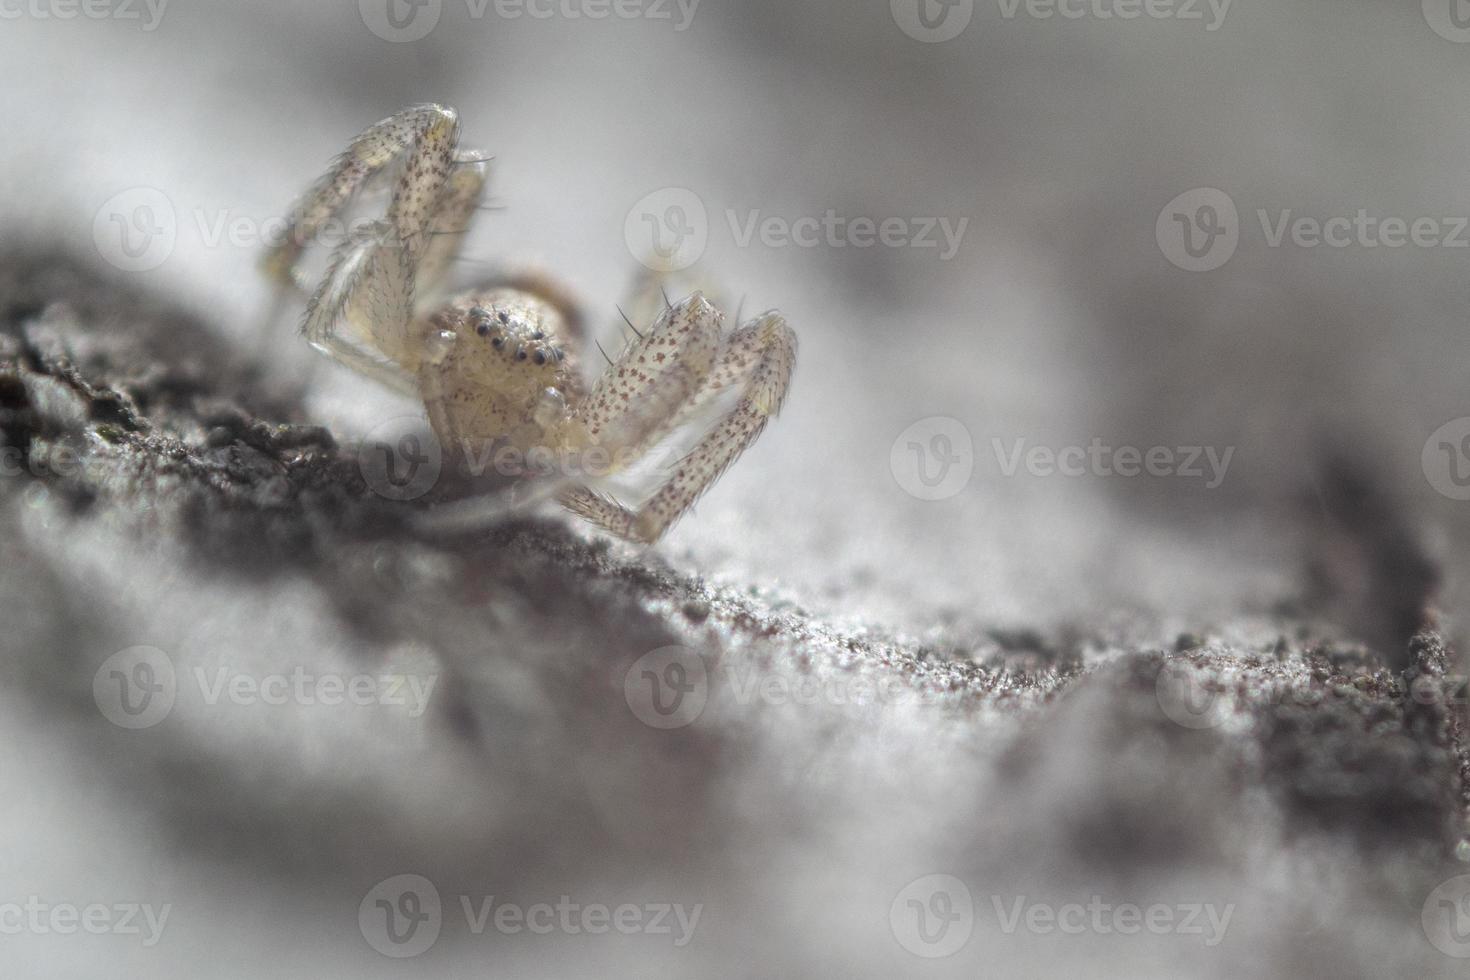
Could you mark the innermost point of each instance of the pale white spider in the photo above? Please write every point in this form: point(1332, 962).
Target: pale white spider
point(497, 365)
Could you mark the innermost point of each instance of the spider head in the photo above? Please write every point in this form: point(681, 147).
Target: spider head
point(510, 378)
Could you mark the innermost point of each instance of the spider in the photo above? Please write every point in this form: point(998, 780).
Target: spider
point(498, 364)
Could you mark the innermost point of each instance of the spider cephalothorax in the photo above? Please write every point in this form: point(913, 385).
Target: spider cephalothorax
point(498, 366)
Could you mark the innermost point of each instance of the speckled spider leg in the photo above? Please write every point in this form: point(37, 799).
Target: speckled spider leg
point(641, 394)
point(363, 311)
point(459, 200)
point(759, 357)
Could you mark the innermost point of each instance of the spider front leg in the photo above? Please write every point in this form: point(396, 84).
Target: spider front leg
point(363, 312)
point(758, 357)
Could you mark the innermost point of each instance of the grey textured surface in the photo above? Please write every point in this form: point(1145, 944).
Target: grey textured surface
point(212, 507)
point(1320, 802)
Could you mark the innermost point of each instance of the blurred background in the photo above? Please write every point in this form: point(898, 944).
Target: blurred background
point(1103, 229)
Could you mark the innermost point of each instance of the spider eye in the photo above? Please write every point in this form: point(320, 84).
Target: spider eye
point(504, 317)
point(483, 329)
point(520, 353)
point(540, 357)
point(498, 343)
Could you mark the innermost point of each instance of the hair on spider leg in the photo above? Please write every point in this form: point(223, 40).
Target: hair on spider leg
point(628, 322)
point(602, 352)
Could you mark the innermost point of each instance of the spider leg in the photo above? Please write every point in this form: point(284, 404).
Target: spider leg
point(368, 288)
point(369, 153)
point(637, 399)
point(459, 202)
point(760, 358)
point(363, 312)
